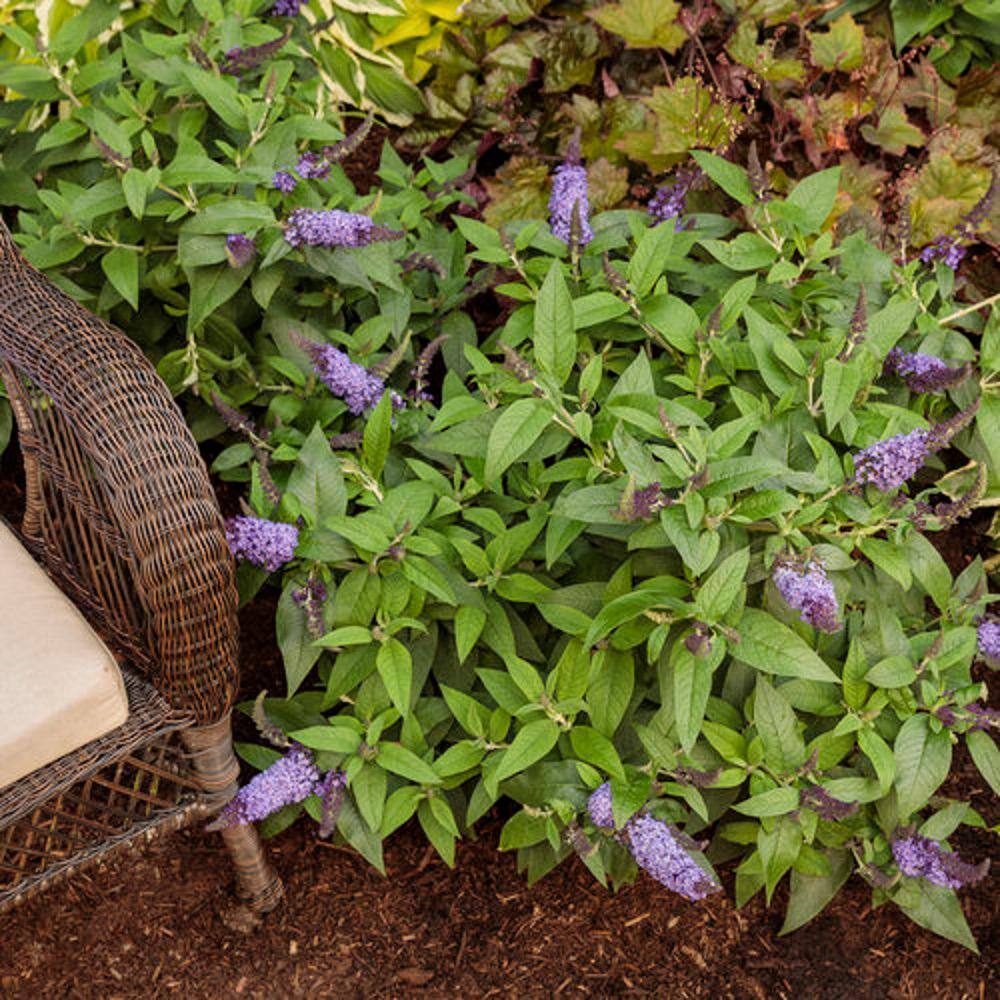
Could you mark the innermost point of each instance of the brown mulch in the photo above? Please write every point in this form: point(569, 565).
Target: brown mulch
point(160, 920)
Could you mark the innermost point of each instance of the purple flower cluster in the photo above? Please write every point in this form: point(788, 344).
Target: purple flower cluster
point(669, 200)
point(656, 848)
point(807, 588)
point(569, 201)
point(311, 598)
point(642, 504)
point(290, 779)
point(346, 379)
point(946, 249)
point(267, 544)
point(240, 250)
point(888, 464)
point(920, 857)
point(924, 372)
point(333, 228)
point(286, 8)
point(988, 639)
point(284, 181)
point(331, 791)
point(312, 166)
point(821, 802)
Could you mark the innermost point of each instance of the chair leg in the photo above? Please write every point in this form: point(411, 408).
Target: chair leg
point(218, 771)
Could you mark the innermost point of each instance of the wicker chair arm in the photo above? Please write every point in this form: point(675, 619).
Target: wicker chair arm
point(105, 443)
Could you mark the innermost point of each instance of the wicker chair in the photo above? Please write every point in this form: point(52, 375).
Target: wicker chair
point(120, 512)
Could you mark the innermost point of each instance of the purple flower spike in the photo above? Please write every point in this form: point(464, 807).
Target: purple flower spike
point(569, 198)
point(267, 544)
point(331, 791)
point(920, 857)
point(988, 639)
point(924, 372)
point(312, 166)
point(346, 379)
point(240, 250)
point(888, 464)
point(284, 181)
point(657, 850)
point(669, 201)
point(946, 249)
point(333, 228)
point(289, 779)
point(599, 807)
point(286, 8)
point(806, 587)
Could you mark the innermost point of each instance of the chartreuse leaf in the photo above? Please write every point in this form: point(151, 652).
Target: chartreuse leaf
point(643, 24)
point(394, 757)
point(555, 335)
point(589, 745)
point(121, 266)
point(774, 648)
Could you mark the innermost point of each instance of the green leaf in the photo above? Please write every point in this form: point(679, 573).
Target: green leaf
point(809, 894)
point(649, 258)
point(516, 430)
point(219, 93)
point(936, 909)
point(719, 591)
point(469, 622)
point(591, 746)
point(395, 667)
point(121, 267)
point(378, 435)
point(774, 802)
point(692, 684)
point(986, 756)
point(923, 758)
point(892, 672)
point(555, 335)
point(777, 726)
point(894, 132)
point(297, 649)
point(814, 195)
point(316, 480)
point(929, 569)
point(531, 744)
point(774, 648)
point(396, 758)
point(610, 690)
point(889, 558)
point(880, 754)
point(336, 739)
point(731, 178)
point(840, 385)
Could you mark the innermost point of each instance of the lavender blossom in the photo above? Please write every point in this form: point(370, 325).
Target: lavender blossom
point(944, 248)
point(920, 857)
point(267, 544)
point(284, 181)
point(289, 779)
point(988, 639)
point(311, 598)
point(924, 372)
point(806, 587)
point(599, 807)
point(346, 379)
point(982, 716)
point(312, 166)
point(656, 849)
point(331, 790)
point(669, 200)
point(569, 202)
point(643, 504)
point(240, 250)
point(286, 8)
point(888, 464)
point(333, 228)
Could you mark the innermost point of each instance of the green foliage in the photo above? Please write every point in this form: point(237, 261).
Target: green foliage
point(504, 621)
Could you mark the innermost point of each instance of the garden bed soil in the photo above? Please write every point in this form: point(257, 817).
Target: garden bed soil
point(160, 921)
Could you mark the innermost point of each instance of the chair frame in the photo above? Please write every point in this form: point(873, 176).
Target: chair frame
point(120, 511)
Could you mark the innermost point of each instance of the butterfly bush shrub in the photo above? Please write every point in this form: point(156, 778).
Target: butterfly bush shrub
point(649, 556)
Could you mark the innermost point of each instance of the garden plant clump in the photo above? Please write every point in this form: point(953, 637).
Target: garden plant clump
point(619, 521)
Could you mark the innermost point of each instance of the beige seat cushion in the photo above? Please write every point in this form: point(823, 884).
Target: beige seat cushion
point(60, 687)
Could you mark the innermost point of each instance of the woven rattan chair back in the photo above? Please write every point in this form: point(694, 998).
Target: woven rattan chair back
point(120, 510)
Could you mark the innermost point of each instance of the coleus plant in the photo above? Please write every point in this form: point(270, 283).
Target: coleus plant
point(652, 561)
